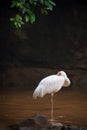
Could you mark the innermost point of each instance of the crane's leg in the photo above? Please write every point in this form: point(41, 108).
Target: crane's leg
point(52, 107)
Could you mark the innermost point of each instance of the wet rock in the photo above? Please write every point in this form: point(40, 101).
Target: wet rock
point(40, 122)
point(69, 128)
point(56, 126)
point(72, 127)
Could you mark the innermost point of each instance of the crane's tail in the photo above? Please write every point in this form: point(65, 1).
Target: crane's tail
point(35, 94)
point(38, 92)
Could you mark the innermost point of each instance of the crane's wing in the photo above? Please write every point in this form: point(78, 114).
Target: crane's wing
point(48, 85)
point(38, 91)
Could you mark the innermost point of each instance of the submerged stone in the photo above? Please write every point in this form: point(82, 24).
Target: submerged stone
point(40, 122)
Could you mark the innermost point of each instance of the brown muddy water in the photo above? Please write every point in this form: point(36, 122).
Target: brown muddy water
point(70, 106)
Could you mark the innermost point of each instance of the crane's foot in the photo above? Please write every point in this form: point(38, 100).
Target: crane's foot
point(52, 121)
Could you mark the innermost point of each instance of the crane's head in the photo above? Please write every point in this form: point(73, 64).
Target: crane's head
point(67, 81)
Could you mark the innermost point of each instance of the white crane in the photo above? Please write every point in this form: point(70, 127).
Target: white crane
point(50, 85)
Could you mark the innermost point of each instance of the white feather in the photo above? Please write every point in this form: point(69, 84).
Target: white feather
point(51, 84)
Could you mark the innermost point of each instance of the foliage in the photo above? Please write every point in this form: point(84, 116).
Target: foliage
point(27, 10)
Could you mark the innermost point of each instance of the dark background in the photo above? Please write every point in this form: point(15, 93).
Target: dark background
point(57, 41)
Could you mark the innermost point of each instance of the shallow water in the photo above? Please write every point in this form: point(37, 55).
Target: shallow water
point(70, 106)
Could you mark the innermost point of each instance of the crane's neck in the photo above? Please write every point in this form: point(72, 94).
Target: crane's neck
point(65, 79)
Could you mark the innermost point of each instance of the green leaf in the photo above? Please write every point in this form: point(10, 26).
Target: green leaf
point(18, 17)
point(32, 18)
point(31, 1)
point(44, 11)
point(17, 21)
point(49, 8)
point(19, 25)
point(12, 19)
point(21, 22)
point(13, 4)
point(52, 3)
point(24, 10)
point(42, 1)
point(28, 9)
point(26, 18)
